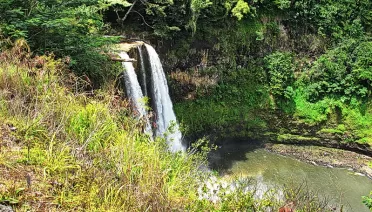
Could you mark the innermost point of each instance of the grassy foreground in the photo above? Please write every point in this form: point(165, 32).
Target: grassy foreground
point(62, 150)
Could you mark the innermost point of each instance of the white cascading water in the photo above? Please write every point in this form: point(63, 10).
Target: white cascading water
point(134, 91)
point(163, 105)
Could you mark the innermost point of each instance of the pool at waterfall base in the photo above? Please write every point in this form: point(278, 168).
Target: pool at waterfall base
point(339, 187)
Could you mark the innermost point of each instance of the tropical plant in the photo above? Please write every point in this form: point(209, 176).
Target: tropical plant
point(343, 72)
point(280, 70)
point(367, 200)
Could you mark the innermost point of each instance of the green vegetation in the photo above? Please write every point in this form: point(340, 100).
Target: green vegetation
point(70, 29)
point(343, 72)
point(277, 70)
point(337, 89)
point(62, 149)
point(367, 200)
point(80, 153)
point(312, 66)
point(280, 70)
point(290, 137)
point(229, 101)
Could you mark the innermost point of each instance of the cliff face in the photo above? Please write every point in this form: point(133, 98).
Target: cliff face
point(262, 79)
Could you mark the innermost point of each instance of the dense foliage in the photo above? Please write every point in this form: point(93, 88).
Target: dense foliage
point(332, 18)
point(309, 59)
point(343, 72)
point(74, 29)
point(69, 29)
point(280, 71)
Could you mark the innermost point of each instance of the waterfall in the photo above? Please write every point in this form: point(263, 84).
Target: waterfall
point(134, 92)
point(143, 79)
point(163, 106)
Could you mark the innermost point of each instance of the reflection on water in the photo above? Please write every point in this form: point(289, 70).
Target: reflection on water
point(339, 185)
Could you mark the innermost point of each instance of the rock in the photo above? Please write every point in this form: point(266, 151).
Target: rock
point(313, 162)
point(359, 174)
point(4, 208)
point(13, 129)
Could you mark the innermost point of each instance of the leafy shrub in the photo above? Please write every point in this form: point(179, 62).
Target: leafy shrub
point(280, 68)
point(367, 200)
point(312, 112)
point(283, 4)
point(343, 72)
point(67, 28)
point(336, 19)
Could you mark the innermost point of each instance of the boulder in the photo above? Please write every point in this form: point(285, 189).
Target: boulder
point(4, 208)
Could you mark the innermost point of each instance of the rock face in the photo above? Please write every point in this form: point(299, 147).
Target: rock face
point(4, 208)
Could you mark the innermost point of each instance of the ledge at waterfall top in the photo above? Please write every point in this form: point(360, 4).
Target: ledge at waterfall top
point(165, 120)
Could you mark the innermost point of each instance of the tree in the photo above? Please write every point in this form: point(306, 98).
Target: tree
point(66, 28)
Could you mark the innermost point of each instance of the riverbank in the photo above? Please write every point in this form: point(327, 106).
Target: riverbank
point(324, 156)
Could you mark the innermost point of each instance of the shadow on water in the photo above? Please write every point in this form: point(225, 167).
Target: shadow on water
point(228, 152)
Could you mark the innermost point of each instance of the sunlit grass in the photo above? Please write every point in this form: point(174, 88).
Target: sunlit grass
point(66, 151)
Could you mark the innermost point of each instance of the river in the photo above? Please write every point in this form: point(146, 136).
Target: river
point(339, 186)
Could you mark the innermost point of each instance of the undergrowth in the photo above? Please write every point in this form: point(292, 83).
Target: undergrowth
point(232, 102)
point(352, 121)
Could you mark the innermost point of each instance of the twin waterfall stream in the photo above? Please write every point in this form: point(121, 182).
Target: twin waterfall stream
point(153, 84)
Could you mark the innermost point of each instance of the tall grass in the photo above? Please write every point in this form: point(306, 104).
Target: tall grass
point(83, 153)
